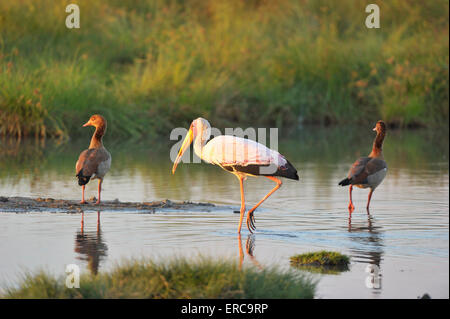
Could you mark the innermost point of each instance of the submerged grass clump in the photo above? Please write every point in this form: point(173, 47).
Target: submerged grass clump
point(327, 262)
point(176, 278)
point(321, 258)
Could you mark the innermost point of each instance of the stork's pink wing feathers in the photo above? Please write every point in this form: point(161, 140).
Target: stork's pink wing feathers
point(232, 150)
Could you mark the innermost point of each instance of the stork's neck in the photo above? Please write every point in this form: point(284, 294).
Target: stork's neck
point(377, 148)
point(199, 143)
point(97, 137)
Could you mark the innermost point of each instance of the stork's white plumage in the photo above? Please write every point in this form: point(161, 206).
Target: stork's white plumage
point(232, 150)
point(239, 156)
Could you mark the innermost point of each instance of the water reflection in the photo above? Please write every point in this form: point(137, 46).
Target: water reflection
point(369, 242)
point(411, 206)
point(249, 249)
point(90, 246)
point(42, 161)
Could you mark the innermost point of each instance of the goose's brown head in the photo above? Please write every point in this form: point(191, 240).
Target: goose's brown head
point(380, 127)
point(96, 120)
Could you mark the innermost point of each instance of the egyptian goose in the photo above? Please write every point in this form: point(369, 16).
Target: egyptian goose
point(368, 171)
point(96, 160)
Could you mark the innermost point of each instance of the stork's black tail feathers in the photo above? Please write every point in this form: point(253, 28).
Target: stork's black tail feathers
point(289, 171)
point(344, 182)
point(82, 180)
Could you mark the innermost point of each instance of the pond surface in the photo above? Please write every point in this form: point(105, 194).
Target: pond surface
point(405, 238)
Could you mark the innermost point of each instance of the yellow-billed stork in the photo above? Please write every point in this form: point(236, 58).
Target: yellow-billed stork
point(239, 156)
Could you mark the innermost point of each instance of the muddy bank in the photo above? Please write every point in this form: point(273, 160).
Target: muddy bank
point(25, 204)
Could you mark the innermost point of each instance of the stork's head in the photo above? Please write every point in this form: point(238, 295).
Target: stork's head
point(199, 129)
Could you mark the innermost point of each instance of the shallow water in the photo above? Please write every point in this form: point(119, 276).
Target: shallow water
point(405, 236)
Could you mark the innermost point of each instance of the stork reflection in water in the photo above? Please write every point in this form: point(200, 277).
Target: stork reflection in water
point(249, 247)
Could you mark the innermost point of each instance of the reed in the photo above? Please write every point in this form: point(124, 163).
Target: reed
point(149, 66)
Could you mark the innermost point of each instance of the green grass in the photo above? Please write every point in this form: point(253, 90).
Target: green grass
point(321, 258)
point(152, 65)
point(176, 278)
point(326, 262)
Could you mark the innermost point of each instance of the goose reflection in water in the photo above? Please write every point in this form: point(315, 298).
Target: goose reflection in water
point(368, 249)
point(90, 247)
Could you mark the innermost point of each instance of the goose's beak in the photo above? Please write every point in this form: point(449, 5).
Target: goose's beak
point(87, 123)
point(187, 141)
point(374, 129)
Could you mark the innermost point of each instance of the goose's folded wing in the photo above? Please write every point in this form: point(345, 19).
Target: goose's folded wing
point(357, 173)
point(90, 159)
point(81, 160)
point(375, 165)
point(363, 168)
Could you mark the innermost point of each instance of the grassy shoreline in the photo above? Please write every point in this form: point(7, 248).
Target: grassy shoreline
point(150, 66)
point(176, 278)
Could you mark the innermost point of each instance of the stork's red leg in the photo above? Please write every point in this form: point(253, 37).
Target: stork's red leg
point(368, 199)
point(241, 253)
point(82, 195)
point(351, 207)
point(99, 190)
point(241, 184)
point(250, 215)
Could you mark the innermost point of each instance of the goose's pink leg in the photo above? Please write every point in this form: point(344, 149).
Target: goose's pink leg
point(351, 207)
point(82, 195)
point(369, 198)
point(250, 214)
point(99, 191)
